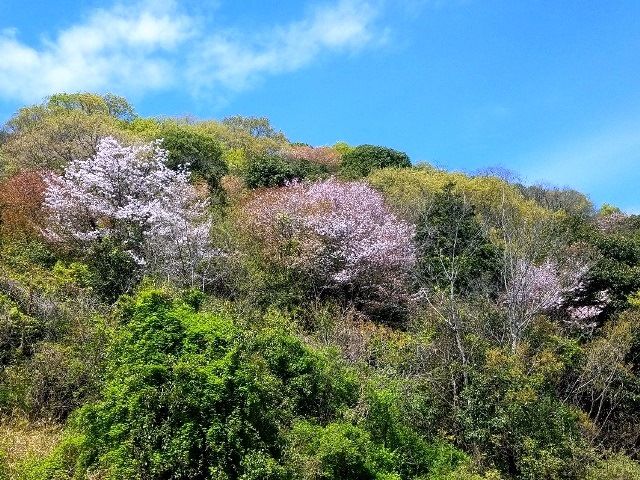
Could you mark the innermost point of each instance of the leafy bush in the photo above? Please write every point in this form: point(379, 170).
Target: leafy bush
point(188, 396)
point(197, 151)
point(18, 332)
point(511, 414)
point(618, 467)
point(363, 159)
point(337, 451)
point(453, 251)
point(275, 171)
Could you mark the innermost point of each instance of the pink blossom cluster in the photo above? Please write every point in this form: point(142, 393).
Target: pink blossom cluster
point(127, 193)
point(534, 288)
point(585, 313)
point(545, 286)
point(611, 221)
point(341, 232)
point(321, 155)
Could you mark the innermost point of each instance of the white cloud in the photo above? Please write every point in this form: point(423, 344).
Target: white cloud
point(123, 47)
point(144, 47)
point(235, 61)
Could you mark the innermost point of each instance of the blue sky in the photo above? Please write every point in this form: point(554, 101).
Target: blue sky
point(550, 90)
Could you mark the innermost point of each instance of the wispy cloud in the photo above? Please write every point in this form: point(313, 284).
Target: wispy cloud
point(600, 162)
point(123, 47)
point(235, 60)
point(588, 160)
point(144, 47)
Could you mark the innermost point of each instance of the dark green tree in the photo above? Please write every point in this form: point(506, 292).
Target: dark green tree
point(363, 159)
point(453, 251)
point(275, 171)
point(199, 152)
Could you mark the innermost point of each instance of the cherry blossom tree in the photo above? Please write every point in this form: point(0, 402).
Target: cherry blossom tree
point(535, 288)
point(339, 233)
point(128, 195)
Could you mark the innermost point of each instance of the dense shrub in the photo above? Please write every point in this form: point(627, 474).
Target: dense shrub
point(339, 450)
point(453, 250)
point(19, 332)
point(276, 171)
point(616, 468)
point(617, 269)
point(189, 395)
point(510, 413)
point(200, 153)
point(363, 159)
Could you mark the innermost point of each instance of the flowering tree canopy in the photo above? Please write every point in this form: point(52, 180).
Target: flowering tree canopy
point(341, 233)
point(128, 195)
point(547, 287)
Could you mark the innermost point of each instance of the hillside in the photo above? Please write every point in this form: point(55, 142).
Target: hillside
point(203, 299)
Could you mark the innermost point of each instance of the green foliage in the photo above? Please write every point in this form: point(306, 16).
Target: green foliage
point(617, 269)
point(90, 103)
point(608, 209)
point(570, 201)
point(200, 152)
point(257, 127)
point(618, 467)
point(512, 415)
point(111, 270)
point(274, 171)
point(390, 421)
point(410, 191)
point(18, 332)
point(4, 475)
point(52, 383)
point(339, 450)
point(59, 465)
point(363, 159)
point(343, 148)
point(452, 249)
point(187, 396)
point(190, 395)
point(269, 172)
point(63, 128)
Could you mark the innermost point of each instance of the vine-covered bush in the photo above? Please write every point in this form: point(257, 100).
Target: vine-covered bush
point(188, 395)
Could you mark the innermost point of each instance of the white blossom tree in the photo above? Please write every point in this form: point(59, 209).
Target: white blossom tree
point(532, 289)
point(128, 195)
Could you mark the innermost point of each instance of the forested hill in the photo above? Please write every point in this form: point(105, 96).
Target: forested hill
point(185, 299)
